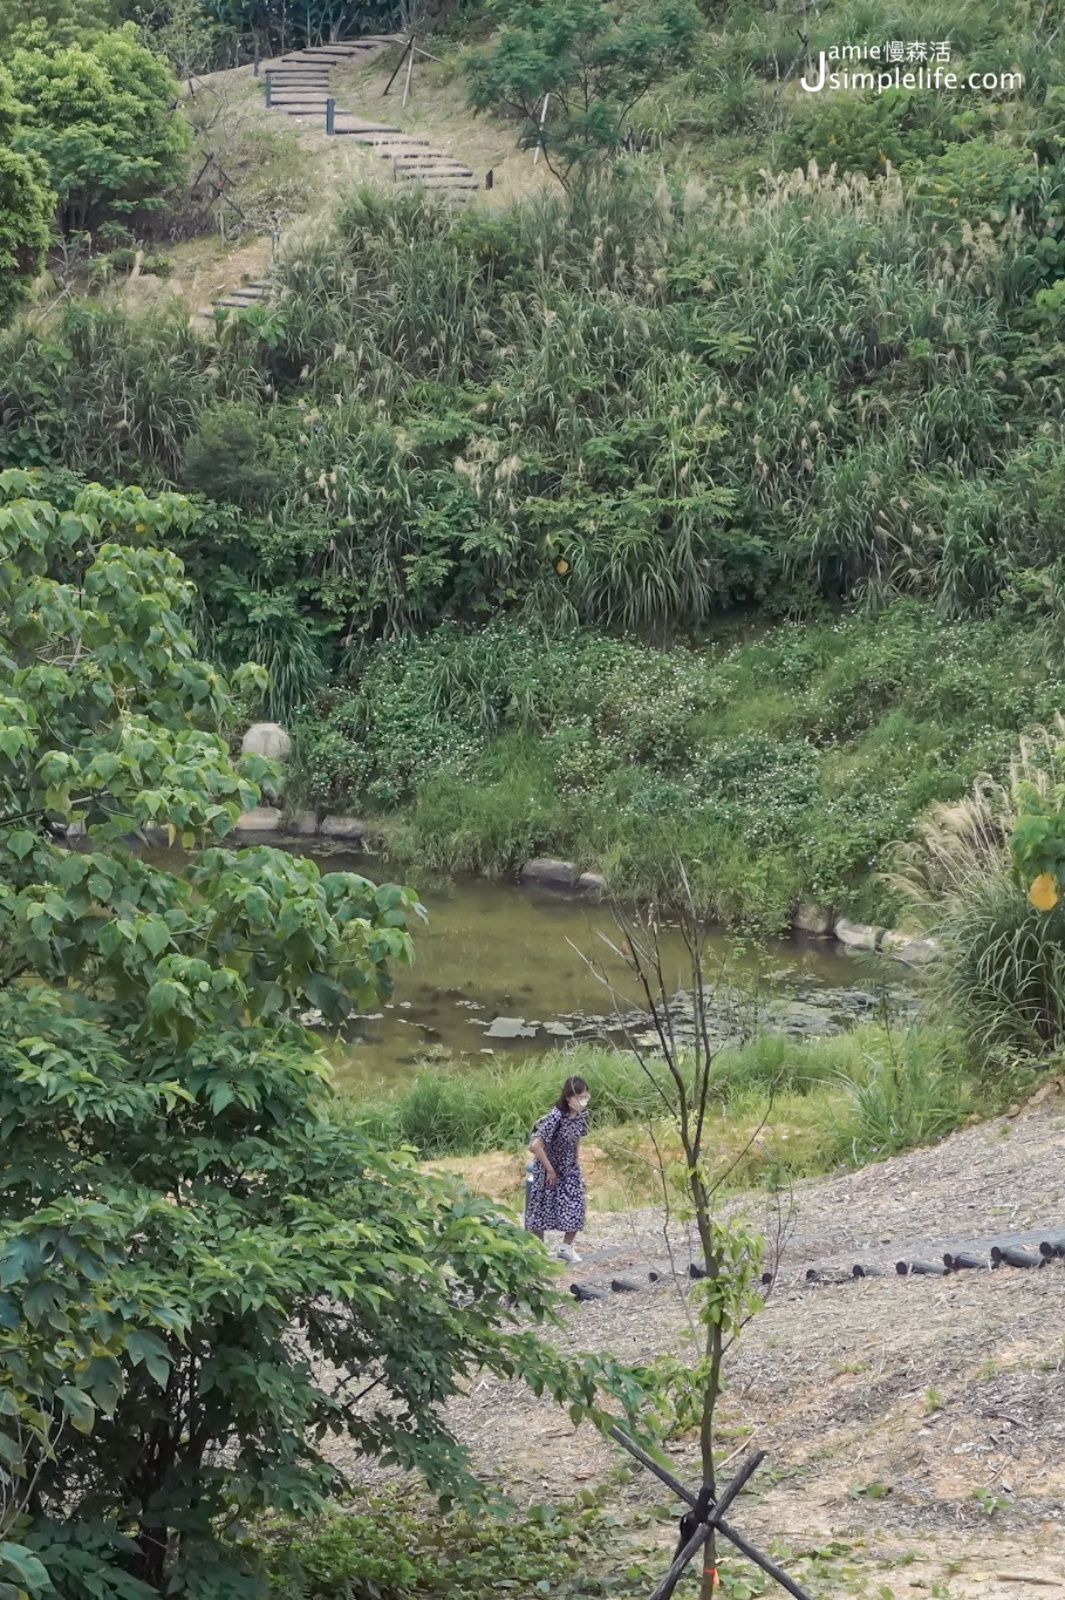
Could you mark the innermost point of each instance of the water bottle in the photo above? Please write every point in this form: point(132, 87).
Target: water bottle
point(530, 1179)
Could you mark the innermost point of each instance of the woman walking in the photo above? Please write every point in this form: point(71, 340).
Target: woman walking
point(556, 1194)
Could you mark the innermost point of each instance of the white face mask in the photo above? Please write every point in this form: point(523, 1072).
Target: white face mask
point(579, 1102)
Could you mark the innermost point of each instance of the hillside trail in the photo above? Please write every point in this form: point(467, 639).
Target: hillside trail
point(430, 141)
point(915, 1426)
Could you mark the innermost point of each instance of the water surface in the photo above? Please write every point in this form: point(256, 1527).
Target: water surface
point(502, 949)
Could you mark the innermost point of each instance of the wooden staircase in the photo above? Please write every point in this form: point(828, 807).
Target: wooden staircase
point(298, 85)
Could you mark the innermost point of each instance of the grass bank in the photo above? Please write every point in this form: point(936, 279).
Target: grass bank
point(779, 762)
point(784, 1109)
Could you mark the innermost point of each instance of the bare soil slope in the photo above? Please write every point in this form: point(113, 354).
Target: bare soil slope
point(915, 1426)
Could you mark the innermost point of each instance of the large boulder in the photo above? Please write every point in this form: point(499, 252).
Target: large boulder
point(342, 828)
point(302, 824)
point(857, 935)
point(914, 951)
point(267, 739)
point(545, 869)
point(261, 819)
point(817, 920)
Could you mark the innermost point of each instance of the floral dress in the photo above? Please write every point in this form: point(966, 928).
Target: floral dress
point(560, 1207)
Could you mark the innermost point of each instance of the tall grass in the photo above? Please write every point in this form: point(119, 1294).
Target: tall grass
point(1000, 975)
point(823, 1102)
point(635, 407)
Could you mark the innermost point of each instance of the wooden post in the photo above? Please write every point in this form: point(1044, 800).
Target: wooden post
point(267, 80)
point(255, 65)
point(543, 119)
point(330, 115)
point(410, 69)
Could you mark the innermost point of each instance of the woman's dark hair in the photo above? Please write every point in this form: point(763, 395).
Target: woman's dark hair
point(571, 1087)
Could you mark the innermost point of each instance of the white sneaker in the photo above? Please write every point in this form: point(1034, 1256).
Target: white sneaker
point(566, 1252)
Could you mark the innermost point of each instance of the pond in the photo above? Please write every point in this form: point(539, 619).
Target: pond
point(499, 950)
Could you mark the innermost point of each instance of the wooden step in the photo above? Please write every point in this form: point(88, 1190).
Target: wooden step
point(330, 58)
point(364, 128)
point(444, 183)
point(433, 163)
point(433, 167)
point(435, 156)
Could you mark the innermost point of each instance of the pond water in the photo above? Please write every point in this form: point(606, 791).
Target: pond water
point(497, 949)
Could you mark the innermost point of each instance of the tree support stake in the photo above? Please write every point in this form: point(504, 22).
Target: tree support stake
point(706, 1517)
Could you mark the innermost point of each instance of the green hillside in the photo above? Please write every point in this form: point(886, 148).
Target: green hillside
point(759, 407)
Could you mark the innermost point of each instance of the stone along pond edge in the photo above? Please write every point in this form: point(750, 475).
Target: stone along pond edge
point(275, 742)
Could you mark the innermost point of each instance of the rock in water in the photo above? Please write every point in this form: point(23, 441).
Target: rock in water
point(858, 935)
point(813, 919)
point(260, 819)
point(336, 827)
point(509, 1028)
point(546, 869)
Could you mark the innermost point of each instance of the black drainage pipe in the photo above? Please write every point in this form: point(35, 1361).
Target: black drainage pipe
point(1011, 1255)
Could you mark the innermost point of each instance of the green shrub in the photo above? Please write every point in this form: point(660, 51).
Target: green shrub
point(159, 266)
point(397, 1547)
point(1000, 974)
point(1002, 970)
point(229, 456)
point(863, 132)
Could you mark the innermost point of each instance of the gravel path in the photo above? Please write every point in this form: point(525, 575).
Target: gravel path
point(905, 1405)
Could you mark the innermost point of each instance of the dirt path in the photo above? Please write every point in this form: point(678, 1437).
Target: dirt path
point(916, 1423)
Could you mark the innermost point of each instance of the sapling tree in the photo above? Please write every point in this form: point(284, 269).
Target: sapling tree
point(681, 1065)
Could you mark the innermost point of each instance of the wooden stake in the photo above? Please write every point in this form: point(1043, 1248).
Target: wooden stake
point(410, 69)
point(704, 1518)
point(399, 63)
point(540, 138)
